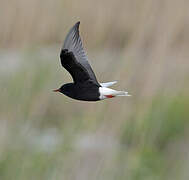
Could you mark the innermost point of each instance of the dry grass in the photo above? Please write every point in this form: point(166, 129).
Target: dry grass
point(114, 23)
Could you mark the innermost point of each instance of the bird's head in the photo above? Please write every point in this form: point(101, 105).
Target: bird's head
point(65, 89)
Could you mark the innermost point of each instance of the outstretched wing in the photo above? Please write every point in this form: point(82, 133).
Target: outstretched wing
point(77, 71)
point(74, 44)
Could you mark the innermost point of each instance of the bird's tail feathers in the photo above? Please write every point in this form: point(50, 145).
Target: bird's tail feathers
point(122, 93)
point(108, 84)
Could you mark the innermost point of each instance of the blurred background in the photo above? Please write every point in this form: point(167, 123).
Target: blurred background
point(47, 136)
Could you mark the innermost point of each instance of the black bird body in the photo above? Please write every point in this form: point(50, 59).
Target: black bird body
point(86, 91)
point(85, 85)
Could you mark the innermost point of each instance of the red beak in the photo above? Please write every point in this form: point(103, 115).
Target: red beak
point(56, 90)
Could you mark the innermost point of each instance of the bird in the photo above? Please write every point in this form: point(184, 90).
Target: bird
point(85, 86)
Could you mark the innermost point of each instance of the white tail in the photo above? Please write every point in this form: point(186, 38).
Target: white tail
point(108, 84)
point(109, 93)
point(122, 93)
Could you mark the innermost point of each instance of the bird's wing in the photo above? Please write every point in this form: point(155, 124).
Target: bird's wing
point(77, 71)
point(74, 44)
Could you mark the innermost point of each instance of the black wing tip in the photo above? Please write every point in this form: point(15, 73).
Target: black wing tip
point(77, 24)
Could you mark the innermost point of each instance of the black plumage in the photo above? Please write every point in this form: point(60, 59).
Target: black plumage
point(73, 44)
point(85, 85)
point(73, 58)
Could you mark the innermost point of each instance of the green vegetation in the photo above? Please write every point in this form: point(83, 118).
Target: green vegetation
point(45, 135)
